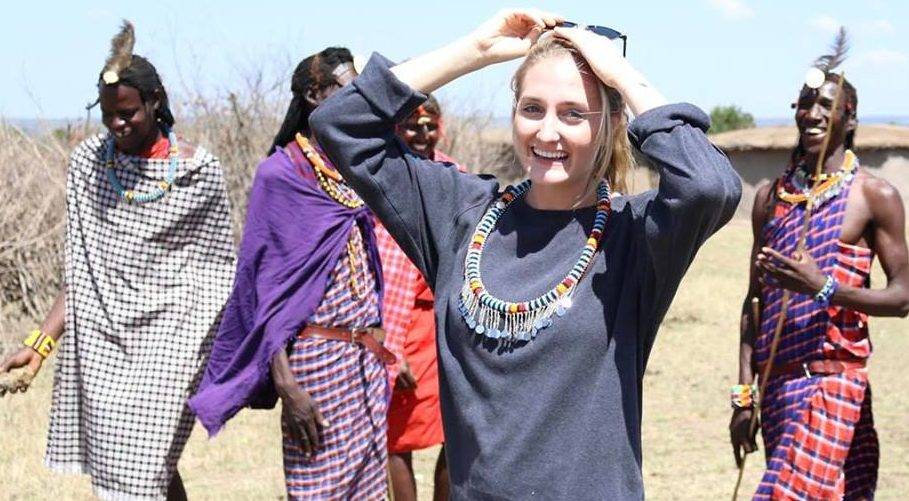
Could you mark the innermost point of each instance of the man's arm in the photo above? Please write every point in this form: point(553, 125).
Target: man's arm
point(741, 434)
point(800, 273)
point(747, 324)
point(888, 240)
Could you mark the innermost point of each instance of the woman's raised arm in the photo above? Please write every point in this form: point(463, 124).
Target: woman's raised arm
point(419, 201)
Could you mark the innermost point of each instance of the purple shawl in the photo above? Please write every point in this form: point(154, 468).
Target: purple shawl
point(294, 235)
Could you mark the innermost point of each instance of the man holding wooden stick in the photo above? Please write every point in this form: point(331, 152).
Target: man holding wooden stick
point(804, 325)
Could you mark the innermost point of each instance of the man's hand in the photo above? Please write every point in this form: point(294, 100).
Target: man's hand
point(405, 380)
point(13, 380)
point(302, 419)
point(798, 273)
point(741, 435)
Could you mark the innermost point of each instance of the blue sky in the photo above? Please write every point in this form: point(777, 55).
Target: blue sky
point(709, 52)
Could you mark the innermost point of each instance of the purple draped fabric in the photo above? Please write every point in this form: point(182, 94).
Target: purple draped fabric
point(294, 235)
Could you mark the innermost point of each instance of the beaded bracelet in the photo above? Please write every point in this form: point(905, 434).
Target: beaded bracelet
point(826, 293)
point(40, 342)
point(743, 396)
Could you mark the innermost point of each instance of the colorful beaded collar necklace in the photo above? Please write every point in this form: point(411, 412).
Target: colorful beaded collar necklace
point(831, 184)
point(521, 321)
point(163, 186)
point(329, 179)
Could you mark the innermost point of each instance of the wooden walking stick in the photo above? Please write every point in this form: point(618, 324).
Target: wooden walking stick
point(800, 247)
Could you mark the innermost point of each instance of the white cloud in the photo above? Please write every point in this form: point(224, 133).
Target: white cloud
point(878, 27)
point(885, 57)
point(825, 23)
point(733, 9)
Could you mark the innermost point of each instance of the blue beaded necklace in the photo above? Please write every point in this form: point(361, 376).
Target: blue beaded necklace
point(511, 321)
point(163, 186)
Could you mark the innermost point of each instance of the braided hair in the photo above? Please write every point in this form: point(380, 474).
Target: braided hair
point(312, 75)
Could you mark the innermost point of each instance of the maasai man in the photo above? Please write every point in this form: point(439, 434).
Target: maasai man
point(816, 415)
point(414, 417)
point(149, 256)
point(302, 322)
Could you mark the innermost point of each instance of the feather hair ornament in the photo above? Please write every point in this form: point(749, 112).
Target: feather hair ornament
point(121, 53)
point(828, 62)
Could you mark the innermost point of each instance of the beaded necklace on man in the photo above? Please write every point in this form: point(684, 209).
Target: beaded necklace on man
point(329, 179)
point(163, 186)
point(831, 184)
point(331, 183)
point(511, 321)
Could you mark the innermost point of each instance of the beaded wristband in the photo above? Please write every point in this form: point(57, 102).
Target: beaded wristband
point(826, 293)
point(40, 342)
point(743, 396)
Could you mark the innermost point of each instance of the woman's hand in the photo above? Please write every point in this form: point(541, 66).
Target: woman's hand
point(600, 53)
point(26, 358)
point(302, 418)
point(612, 69)
point(510, 33)
point(741, 435)
point(799, 273)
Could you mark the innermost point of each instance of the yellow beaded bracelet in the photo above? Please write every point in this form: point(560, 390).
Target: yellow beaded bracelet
point(744, 396)
point(40, 342)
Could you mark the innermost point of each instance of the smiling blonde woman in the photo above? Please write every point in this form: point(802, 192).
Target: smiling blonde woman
point(548, 294)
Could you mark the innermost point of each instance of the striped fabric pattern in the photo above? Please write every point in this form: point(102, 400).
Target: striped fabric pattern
point(818, 430)
point(348, 384)
point(804, 331)
point(820, 438)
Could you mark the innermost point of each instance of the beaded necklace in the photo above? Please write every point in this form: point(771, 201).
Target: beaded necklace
point(495, 318)
point(163, 186)
point(830, 186)
point(329, 179)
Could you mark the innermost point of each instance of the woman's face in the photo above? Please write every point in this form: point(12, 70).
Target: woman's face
point(556, 121)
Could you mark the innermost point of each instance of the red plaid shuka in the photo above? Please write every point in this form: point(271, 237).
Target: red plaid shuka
point(818, 430)
point(399, 276)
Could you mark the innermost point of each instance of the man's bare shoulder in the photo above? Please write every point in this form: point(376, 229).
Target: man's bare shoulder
point(763, 202)
point(762, 190)
point(877, 191)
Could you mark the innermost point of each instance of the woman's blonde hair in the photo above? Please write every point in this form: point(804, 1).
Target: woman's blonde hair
point(614, 159)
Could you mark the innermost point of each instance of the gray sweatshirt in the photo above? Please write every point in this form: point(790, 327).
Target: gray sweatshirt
point(558, 417)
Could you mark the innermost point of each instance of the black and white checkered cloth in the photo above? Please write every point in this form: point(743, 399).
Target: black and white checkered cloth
point(145, 285)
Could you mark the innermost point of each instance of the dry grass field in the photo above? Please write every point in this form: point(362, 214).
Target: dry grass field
point(686, 451)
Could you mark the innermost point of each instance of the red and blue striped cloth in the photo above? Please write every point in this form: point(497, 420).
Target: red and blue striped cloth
point(348, 384)
point(818, 430)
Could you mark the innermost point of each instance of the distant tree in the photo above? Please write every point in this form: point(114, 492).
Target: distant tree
point(725, 118)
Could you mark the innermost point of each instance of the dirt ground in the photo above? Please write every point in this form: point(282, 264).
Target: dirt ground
point(686, 410)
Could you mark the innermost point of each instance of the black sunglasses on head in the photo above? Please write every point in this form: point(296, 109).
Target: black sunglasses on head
point(603, 31)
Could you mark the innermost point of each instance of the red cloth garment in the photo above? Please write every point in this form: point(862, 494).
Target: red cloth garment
point(415, 416)
point(160, 150)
